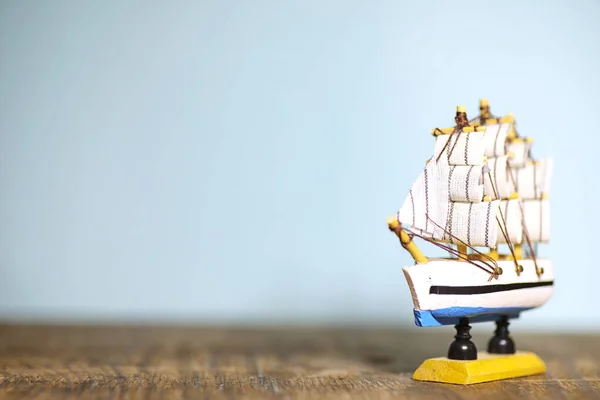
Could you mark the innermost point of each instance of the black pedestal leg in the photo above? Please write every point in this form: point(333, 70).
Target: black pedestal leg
point(501, 342)
point(462, 348)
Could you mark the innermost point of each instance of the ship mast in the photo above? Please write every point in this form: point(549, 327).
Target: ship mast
point(486, 118)
point(394, 223)
point(462, 125)
point(406, 241)
point(520, 176)
point(461, 122)
point(481, 188)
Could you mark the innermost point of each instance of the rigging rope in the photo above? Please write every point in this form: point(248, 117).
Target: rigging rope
point(461, 122)
point(508, 242)
point(490, 269)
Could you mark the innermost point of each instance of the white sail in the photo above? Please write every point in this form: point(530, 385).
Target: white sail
point(533, 180)
point(545, 178)
point(461, 148)
point(445, 203)
point(537, 219)
point(510, 220)
point(468, 219)
point(466, 183)
point(420, 209)
point(495, 139)
point(520, 152)
point(466, 195)
point(473, 223)
point(514, 171)
point(498, 183)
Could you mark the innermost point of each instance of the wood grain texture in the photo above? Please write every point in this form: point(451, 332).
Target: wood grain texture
point(47, 362)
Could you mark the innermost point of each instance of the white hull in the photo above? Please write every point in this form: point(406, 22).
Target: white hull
point(445, 290)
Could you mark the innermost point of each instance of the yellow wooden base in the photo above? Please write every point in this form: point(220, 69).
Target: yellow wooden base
point(487, 368)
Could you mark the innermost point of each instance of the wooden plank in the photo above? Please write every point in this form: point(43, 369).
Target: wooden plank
point(305, 363)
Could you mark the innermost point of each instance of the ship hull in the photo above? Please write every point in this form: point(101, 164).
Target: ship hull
point(443, 291)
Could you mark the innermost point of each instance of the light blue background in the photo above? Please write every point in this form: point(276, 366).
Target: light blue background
point(234, 161)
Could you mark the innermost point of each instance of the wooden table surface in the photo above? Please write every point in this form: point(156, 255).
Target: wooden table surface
point(306, 363)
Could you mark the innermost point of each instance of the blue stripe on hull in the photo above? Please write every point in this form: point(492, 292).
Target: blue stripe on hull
point(451, 315)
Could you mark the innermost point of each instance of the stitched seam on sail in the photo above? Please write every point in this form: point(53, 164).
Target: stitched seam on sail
point(426, 203)
point(467, 185)
point(467, 149)
point(469, 224)
point(487, 224)
point(450, 182)
point(450, 222)
point(448, 219)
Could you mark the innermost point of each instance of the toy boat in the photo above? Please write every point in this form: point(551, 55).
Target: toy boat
point(482, 198)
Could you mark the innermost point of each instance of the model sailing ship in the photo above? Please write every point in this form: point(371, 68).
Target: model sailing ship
point(484, 199)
